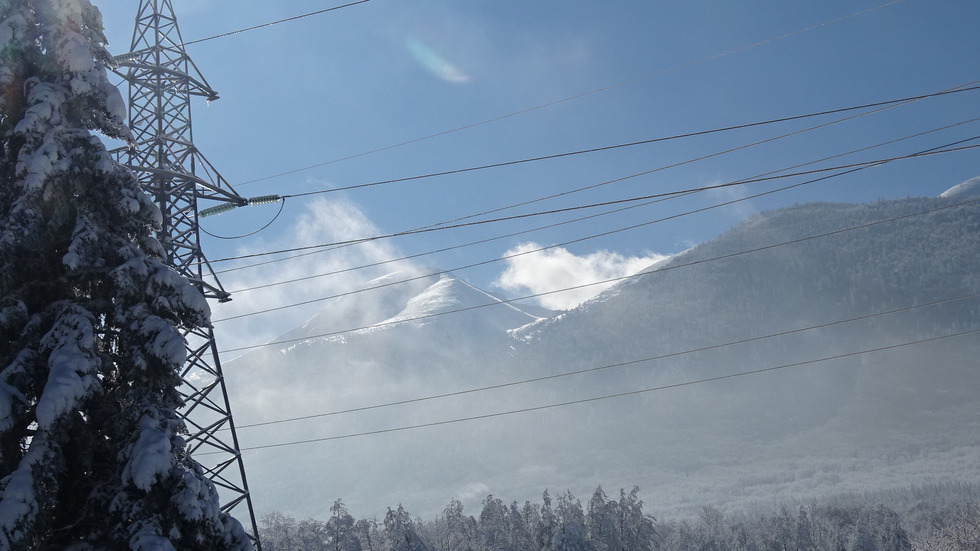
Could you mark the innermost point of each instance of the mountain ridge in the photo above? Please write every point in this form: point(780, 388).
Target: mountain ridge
point(822, 427)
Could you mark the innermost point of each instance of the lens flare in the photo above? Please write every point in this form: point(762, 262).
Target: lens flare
point(435, 63)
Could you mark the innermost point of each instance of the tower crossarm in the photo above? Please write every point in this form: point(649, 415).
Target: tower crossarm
point(214, 187)
point(138, 65)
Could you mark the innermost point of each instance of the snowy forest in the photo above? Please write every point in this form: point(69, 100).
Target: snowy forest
point(924, 519)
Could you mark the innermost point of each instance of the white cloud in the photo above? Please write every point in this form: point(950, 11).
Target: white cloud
point(473, 491)
point(557, 268)
point(740, 207)
point(322, 221)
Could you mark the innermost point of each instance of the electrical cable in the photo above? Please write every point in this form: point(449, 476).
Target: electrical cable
point(705, 380)
point(884, 105)
point(610, 280)
point(253, 265)
point(665, 167)
point(580, 95)
point(282, 204)
point(271, 23)
point(539, 228)
point(445, 249)
point(650, 359)
point(968, 88)
point(670, 166)
point(610, 366)
point(758, 371)
point(444, 223)
point(865, 164)
point(522, 253)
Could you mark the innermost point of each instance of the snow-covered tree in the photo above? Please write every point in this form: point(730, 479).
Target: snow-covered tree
point(522, 521)
point(278, 532)
point(604, 522)
point(311, 535)
point(571, 534)
point(401, 533)
point(461, 530)
point(636, 531)
point(547, 524)
point(341, 534)
point(91, 454)
point(367, 533)
point(494, 528)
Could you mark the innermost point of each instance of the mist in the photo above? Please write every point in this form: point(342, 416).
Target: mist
point(742, 400)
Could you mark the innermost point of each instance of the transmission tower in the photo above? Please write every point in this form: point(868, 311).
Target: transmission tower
point(162, 78)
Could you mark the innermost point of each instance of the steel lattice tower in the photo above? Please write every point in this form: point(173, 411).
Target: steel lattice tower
point(162, 78)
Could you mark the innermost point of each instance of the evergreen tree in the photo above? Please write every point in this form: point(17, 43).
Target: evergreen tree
point(91, 454)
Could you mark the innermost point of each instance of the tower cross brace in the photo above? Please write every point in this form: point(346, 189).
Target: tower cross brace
point(162, 79)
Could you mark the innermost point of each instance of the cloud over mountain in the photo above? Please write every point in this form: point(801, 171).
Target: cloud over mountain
point(774, 362)
point(545, 271)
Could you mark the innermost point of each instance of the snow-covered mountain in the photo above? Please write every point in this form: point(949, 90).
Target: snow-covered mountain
point(823, 312)
point(969, 188)
point(407, 322)
point(405, 299)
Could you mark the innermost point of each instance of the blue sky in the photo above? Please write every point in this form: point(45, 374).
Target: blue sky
point(386, 72)
point(550, 77)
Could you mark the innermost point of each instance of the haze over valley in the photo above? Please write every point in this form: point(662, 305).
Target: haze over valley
point(855, 319)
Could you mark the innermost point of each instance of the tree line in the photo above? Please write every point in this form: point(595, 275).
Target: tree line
point(562, 523)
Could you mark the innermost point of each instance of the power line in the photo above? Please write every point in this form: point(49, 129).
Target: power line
point(549, 226)
point(881, 106)
point(864, 164)
point(578, 96)
point(672, 165)
point(271, 23)
point(641, 142)
point(619, 394)
point(611, 366)
point(514, 255)
point(611, 280)
point(859, 150)
point(445, 249)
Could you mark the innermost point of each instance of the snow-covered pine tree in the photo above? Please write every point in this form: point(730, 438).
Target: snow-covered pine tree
point(91, 455)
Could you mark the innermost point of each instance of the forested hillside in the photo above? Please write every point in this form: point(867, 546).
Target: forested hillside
point(807, 264)
point(809, 351)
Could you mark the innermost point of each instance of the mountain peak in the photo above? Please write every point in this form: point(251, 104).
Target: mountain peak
point(453, 295)
point(969, 188)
